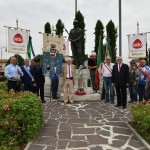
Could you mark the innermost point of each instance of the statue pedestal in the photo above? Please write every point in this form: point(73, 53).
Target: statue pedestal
point(90, 96)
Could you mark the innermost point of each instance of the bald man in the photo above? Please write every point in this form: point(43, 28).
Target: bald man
point(120, 79)
point(13, 73)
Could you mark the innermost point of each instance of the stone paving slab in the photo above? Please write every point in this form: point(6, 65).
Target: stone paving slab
point(85, 126)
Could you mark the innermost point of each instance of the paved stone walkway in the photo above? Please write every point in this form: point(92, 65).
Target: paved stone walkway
point(85, 126)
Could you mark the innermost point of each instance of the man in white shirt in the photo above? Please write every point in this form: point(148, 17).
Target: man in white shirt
point(107, 78)
point(13, 73)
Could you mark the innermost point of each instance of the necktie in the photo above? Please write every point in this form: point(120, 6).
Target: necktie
point(119, 67)
point(69, 71)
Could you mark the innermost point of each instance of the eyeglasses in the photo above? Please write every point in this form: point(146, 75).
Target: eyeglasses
point(119, 59)
point(107, 59)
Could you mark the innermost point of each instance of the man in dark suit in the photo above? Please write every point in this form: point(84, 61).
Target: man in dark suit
point(27, 80)
point(39, 79)
point(120, 79)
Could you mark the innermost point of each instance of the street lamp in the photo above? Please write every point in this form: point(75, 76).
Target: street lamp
point(120, 30)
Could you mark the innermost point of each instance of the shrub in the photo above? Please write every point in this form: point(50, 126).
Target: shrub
point(141, 120)
point(2, 79)
point(20, 118)
point(3, 86)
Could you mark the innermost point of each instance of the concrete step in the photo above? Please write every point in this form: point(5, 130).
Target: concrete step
point(90, 96)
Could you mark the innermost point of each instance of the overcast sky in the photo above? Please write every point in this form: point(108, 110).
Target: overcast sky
point(33, 14)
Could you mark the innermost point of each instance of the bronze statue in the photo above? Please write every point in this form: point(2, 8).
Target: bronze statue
point(75, 37)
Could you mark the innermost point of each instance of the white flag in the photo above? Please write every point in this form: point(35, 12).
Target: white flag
point(137, 46)
point(17, 41)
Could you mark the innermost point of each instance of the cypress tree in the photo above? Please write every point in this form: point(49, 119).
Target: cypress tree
point(80, 18)
point(99, 32)
point(47, 28)
point(59, 28)
point(112, 38)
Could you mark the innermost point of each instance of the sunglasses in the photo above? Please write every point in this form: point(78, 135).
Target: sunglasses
point(119, 59)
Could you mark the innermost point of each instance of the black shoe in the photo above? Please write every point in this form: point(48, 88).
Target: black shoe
point(130, 101)
point(43, 101)
point(117, 105)
point(112, 102)
point(106, 101)
point(55, 97)
point(124, 107)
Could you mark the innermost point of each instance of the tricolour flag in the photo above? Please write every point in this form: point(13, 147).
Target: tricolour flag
point(99, 55)
point(30, 48)
point(99, 61)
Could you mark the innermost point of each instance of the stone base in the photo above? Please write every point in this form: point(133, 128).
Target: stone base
point(90, 96)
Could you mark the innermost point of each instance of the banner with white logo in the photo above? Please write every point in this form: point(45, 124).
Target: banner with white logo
point(17, 41)
point(49, 40)
point(137, 46)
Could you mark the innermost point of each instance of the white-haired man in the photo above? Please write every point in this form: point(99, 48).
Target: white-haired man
point(120, 78)
point(27, 79)
point(68, 72)
point(92, 66)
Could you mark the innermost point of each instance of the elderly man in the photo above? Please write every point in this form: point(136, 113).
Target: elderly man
point(92, 66)
point(107, 78)
point(27, 79)
point(13, 73)
point(120, 78)
point(68, 72)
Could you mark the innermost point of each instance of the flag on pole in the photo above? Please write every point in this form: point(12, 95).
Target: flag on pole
point(99, 61)
point(99, 54)
point(30, 48)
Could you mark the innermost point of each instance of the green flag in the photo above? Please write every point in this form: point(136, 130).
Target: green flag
point(99, 55)
point(29, 49)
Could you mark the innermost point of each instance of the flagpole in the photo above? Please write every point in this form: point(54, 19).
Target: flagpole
point(75, 7)
point(120, 29)
point(17, 29)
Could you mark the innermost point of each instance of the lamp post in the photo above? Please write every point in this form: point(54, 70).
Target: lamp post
point(2, 54)
point(120, 29)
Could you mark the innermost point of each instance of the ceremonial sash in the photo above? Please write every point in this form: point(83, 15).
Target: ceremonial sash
point(108, 68)
point(28, 72)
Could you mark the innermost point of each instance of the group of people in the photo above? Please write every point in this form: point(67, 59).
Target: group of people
point(119, 77)
point(30, 77)
point(116, 77)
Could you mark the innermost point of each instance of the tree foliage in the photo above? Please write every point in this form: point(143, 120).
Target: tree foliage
point(47, 28)
point(20, 60)
point(99, 32)
point(112, 38)
point(59, 28)
point(80, 18)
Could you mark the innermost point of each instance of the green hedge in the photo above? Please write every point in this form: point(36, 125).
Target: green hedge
point(141, 120)
point(3, 86)
point(20, 119)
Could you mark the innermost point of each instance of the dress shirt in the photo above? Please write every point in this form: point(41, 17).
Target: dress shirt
point(68, 71)
point(120, 67)
point(11, 71)
point(105, 71)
